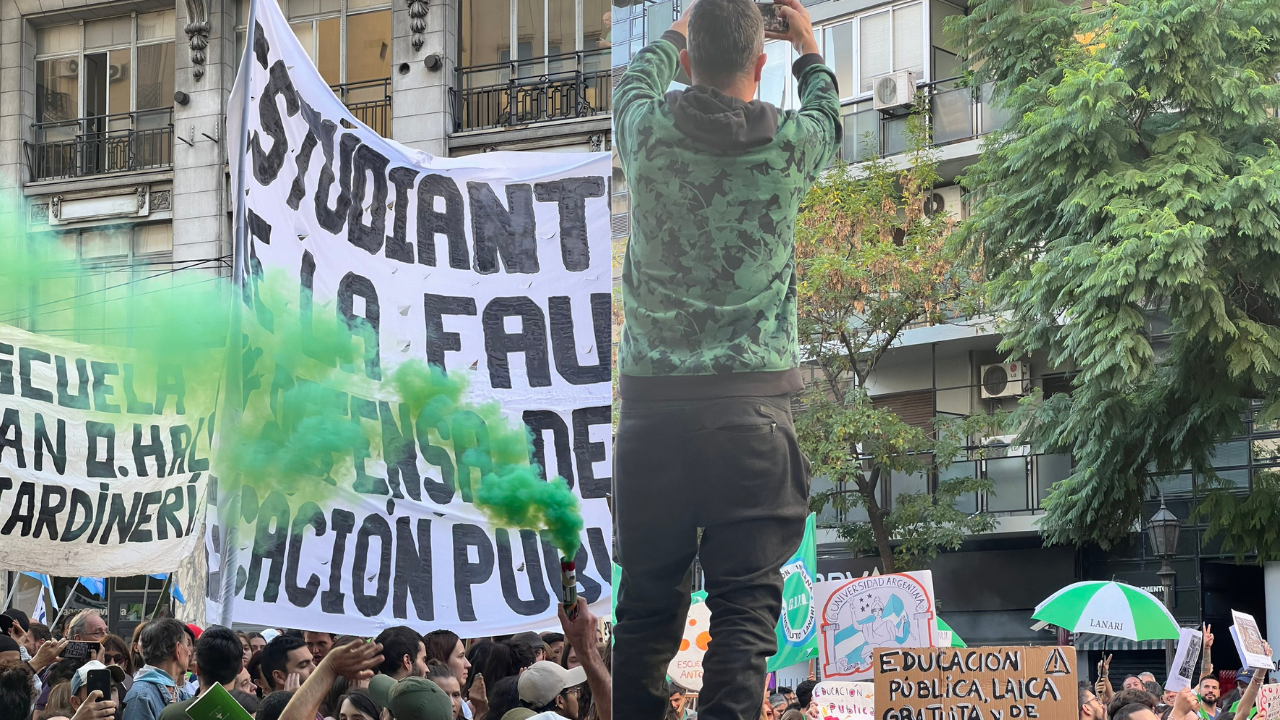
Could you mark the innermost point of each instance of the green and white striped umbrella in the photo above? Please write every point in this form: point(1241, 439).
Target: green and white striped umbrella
point(1108, 608)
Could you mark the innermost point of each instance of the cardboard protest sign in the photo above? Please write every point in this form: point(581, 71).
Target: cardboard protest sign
point(857, 616)
point(990, 683)
point(1248, 639)
point(1185, 660)
point(686, 667)
point(495, 268)
point(838, 700)
point(1268, 702)
point(103, 459)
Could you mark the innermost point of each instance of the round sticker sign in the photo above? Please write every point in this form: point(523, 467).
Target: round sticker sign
point(798, 613)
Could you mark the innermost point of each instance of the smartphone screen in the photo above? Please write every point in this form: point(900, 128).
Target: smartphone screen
point(772, 23)
point(79, 649)
point(99, 680)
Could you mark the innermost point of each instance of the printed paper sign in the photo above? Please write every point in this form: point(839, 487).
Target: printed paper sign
point(103, 460)
point(881, 611)
point(1185, 660)
point(495, 267)
point(686, 667)
point(1253, 653)
point(838, 700)
point(990, 683)
point(1268, 702)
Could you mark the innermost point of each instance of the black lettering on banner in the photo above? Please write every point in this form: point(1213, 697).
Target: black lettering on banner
point(467, 573)
point(440, 491)
point(307, 276)
point(123, 521)
point(170, 382)
point(266, 166)
point(334, 219)
point(589, 452)
point(470, 450)
point(132, 405)
point(533, 568)
point(52, 501)
point(309, 514)
point(11, 436)
point(600, 551)
point(198, 464)
point(364, 482)
point(438, 341)
point(367, 327)
point(398, 247)
point(260, 45)
point(81, 504)
point(180, 439)
point(413, 570)
point(269, 544)
point(531, 340)
point(95, 431)
point(368, 237)
point(570, 194)
point(167, 515)
point(540, 421)
point(142, 451)
point(332, 600)
point(101, 390)
point(24, 509)
point(507, 231)
point(140, 534)
point(448, 223)
point(6, 370)
point(98, 516)
point(319, 132)
point(81, 399)
point(565, 347)
point(25, 357)
point(399, 451)
point(259, 230)
point(58, 452)
point(191, 502)
point(369, 605)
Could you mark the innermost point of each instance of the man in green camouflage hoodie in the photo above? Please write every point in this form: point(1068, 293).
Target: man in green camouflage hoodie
point(708, 354)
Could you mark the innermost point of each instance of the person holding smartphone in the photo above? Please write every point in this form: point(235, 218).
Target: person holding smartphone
point(708, 357)
point(94, 676)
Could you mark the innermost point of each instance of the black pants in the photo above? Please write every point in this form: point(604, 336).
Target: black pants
point(731, 466)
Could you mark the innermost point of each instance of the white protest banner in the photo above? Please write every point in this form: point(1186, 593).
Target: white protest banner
point(1268, 702)
point(1185, 660)
point(880, 611)
point(495, 267)
point(103, 460)
point(1253, 653)
point(838, 700)
point(686, 667)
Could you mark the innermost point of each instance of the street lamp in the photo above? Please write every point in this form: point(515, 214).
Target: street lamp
point(1163, 529)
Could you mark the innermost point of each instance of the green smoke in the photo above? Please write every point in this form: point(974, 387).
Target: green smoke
point(300, 368)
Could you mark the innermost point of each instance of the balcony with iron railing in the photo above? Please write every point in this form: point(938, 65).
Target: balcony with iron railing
point(369, 101)
point(956, 113)
point(103, 144)
point(533, 90)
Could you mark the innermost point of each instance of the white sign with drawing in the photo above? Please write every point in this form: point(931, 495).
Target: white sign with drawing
point(858, 616)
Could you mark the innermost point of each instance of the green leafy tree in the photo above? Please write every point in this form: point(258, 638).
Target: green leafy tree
point(871, 263)
point(1129, 227)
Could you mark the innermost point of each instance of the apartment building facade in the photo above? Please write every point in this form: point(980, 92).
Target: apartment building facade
point(113, 141)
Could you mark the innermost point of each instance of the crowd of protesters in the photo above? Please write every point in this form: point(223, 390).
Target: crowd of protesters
point(302, 675)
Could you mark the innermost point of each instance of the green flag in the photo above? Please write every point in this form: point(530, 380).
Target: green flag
point(797, 628)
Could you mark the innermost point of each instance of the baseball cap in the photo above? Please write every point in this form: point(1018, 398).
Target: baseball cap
point(8, 644)
point(543, 681)
point(1245, 675)
point(518, 714)
point(415, 698)
point(532, 639)
point(19, 617)
point(195, 630)
point(82, 675)
point(380, 689)
point(270, 634)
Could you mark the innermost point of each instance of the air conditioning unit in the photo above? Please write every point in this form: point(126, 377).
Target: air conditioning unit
point(1005, 380)
point(1007, 440)
point(895, 90)
point(947, 200)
